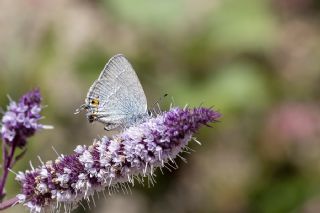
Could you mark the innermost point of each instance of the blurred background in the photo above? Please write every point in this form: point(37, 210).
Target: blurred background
point(256, 61)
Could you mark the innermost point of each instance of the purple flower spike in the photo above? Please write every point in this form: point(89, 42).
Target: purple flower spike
point(112, 163)
point(21, 119)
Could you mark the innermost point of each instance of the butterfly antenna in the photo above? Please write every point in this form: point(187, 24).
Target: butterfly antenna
point(82, 107)
point(157, 104)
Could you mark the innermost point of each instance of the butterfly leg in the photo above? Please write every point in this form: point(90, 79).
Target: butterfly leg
point(110, 126)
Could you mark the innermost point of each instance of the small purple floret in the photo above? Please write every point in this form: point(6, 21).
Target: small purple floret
point(20, 121)
point(112, 163)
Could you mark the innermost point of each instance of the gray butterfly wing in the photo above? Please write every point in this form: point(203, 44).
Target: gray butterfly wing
point(119, 92)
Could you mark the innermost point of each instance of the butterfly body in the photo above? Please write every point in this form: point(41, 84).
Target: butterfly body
point(116, 98)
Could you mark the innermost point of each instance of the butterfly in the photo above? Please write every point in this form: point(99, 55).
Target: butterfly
point(116, 98)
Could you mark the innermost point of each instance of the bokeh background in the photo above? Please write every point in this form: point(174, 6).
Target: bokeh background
point(256, 61)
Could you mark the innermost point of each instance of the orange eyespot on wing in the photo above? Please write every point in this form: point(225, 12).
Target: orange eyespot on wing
point(94, 102)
